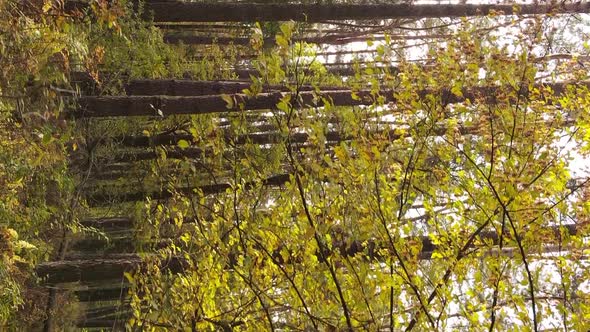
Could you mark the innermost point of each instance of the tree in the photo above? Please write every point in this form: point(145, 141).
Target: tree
point(431, 188)
point(40, 184)
point(269, 259)
point(252, 12)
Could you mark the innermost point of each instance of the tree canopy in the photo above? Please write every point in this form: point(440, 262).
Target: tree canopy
point(335, 166)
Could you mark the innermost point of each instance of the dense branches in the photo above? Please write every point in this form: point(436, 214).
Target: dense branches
point(429, 185)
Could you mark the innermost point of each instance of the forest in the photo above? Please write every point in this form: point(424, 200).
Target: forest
point(294, 165)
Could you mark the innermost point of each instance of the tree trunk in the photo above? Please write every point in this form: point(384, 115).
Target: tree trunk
point(93, 245)
point(87, 270)
point(167, 105)
point(343, 39)
point(109, 224)
point(272, 137)
point(202, 88)
point(101, 294)
point(248, 12)
point(108, 323)
point(337, 53)
point(113, 268)
point(206, 27)
point(88, 85)
point(246, 74)
point(106, 312)
point(94, 106)
point(105, 199)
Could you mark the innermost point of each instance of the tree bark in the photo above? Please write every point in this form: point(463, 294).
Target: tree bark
point(102, 294)
point(113, 268)
point(93, 106)
point(107, 323)
point(206, 27)
point(87, 270)
point(337, 53)
point(343, 39)
point(95, 245)
point(104, 199)
point(88, 85)
point(203, 88)
point(249, 12)
point(172, 153)
point(109, 224)
point(106, 312)
point(167, 105)
point(246, 74)
point(270, 137)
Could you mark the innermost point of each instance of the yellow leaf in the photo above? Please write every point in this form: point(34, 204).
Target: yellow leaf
point(46, 6)
point(228, 100)
point(436, 255)
point(128, 276)
point(183, 144)
point(456, 90)
point(281, 41)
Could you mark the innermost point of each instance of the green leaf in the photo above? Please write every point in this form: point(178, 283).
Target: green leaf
point(183, 144)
